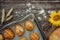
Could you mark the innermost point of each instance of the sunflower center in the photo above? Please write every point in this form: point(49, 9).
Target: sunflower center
point(56, 17)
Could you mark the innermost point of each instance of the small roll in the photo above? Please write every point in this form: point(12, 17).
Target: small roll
point(23, 38)
point(55, 35)
point(1, 37)
point(19, 29)
point(8, 33)
point(29, 25)
point(34, 36)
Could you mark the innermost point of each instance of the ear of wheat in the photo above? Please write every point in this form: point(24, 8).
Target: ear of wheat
point(6, 17)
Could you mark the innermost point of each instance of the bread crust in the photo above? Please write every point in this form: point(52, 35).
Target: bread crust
point(55, 35)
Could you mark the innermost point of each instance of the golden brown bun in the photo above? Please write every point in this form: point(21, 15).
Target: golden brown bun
point(19, 29)
point(55, 35)
point(23, 38)
point(29, 25)
point(34, 36)
point(8, 39)
point(1, 37)
point(8, 33)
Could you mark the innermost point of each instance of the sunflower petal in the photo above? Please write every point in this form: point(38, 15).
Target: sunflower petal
point(52, 13)
point(58, 12)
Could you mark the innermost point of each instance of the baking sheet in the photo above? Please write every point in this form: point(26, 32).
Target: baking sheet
point(27, 33)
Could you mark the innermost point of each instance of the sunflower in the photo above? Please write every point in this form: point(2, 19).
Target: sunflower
point(55, 18)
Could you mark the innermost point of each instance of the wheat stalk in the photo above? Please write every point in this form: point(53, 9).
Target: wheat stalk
point(9, 13)
point(3, 15)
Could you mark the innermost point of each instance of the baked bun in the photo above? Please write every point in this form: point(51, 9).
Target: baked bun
point(55, 35)
point(23, 38)
point(34, 36)
point(1, 37)
point(8, 33)
point(29, 25)
point(19, 29)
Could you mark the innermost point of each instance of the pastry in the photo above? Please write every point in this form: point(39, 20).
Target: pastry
point(55, 35)
point(23, 38)
point(8, 33)
point(1, 37)
point(34, 36)
point(19, 29)
point(29, 25)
